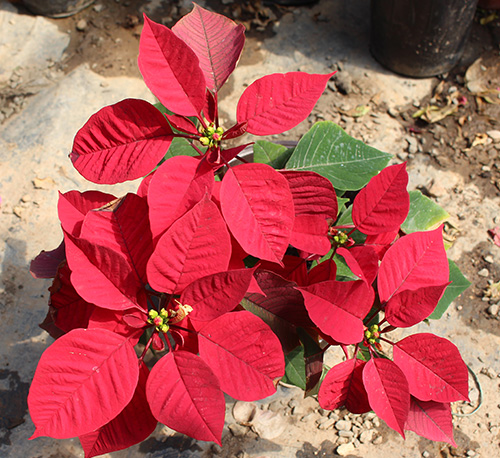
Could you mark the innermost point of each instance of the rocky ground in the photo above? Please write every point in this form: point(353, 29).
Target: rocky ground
point(55, 73)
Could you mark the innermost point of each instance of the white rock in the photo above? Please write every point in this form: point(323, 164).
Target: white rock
point(345, 449)
point(494, 135)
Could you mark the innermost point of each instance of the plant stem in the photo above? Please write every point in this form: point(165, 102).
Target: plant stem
point(146, 348)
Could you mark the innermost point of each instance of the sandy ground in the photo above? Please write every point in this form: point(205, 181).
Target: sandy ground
point(55, 73)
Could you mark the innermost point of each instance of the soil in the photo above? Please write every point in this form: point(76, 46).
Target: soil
point(106, 37)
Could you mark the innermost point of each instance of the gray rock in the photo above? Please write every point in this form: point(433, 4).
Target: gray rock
point(237, 430)
point(366, 436)
point(493, 309)
point(326, 424)
point(484, 273)
point(412, 144)
point(343, 82)
point(494, 135)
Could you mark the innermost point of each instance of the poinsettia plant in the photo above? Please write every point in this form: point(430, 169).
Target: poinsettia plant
point(218, 278)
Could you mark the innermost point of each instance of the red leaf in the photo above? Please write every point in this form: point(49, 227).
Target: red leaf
point(258, 208)
point(416, 260)
point(171, 70)
point(312, 194)
point(177, 185)
point(362, 260)
point(83, 381)
point(182, 123)
point(294, 269)
point(114, 321)
point(196, 245)
point(324, 271)
point(388, 393)
point(46, 263)
point(280, 306)
point(338, 308)
point(278, 102)
point(102, 276)
point(216, 294)
point(72, 207)
point(381, 242)
point(142, 190)
point(310, 234)
point(383, 204)
point(236, 131)
point(122, 226)
point(408, 308)
point(244, 353)
point(343, 386)
point(121, 142)
point(215, 39)
point(184, 394)
point(132, 425)
point(431, 420)
point(434, 368)
point(70, 310)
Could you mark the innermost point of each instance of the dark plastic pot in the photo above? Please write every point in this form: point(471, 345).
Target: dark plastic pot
point(420, 38)
point(56, 8)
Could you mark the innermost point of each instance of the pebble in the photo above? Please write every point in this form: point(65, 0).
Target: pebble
point(494, 135)
point(376, 422)
point(343, 425)
point(489, 259)
point(326, 424)
point(244, 412)
point(237, 430)
point(484, 273)
point(98, 8)
point(426, 454)
point(269, 425)
point(81, 25)
point(26, 198)
point(366, 436)
point(307, 418)
point(489, 372)
point(412, 144)
point(493, 309)
point(378, 440)
point(345, 449)
point(347, 434)
point(18, 211)
point(343, 82)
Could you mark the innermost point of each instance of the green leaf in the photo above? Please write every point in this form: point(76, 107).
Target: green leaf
point(458, 286)
point(342, 201)
point(295, 368)
point(348, 163)
point(424, 214)
point(181, 147)
point(270, 153)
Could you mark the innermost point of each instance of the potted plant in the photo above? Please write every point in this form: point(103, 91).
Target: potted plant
point(236, 277)
point(420, 38)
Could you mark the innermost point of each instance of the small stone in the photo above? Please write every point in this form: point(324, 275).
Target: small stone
point(308, 418)
point(412, 144)
point(81, 25)
point(43, 183)
point(269, 425)
point(343, 81)
point(489, 372)
point(326, 424)
point(323, 412)
point(237, 430)
point(378, 440)
point(484, 273)
point(376, 422)
point(489, 259)
point(26, 198)
point(459, 307)
point(345, 449)
point(493, 309)
point(343, 425)
point(366, 436)
point(275, 406)
point(426, 454)
point(393, 112)
point(494, 135)
point(18, 211)
point(298, 410)
point(98, 8)
point(347, 434)
point(471, 453)
point(244, 412)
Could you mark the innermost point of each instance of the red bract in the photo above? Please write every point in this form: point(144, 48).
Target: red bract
point(228, 268)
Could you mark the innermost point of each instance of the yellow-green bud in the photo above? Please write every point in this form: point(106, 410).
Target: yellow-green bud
point(205, 141)
point(368, 334)
point(153, 314)
point(164, 314)
point(164, 328)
